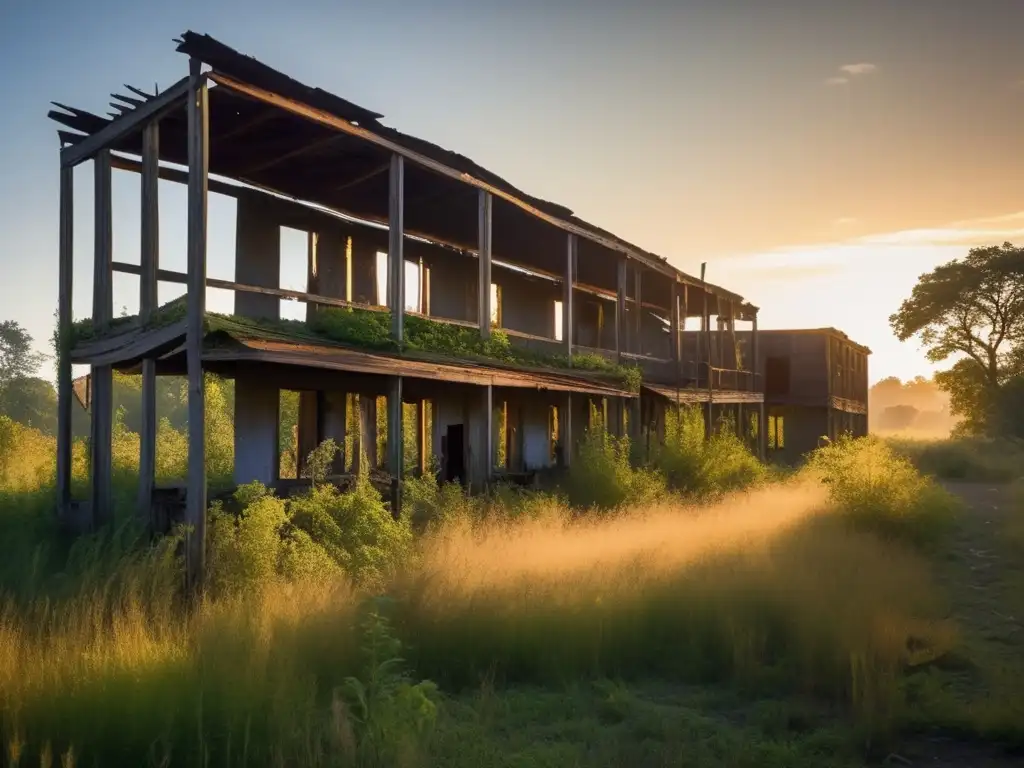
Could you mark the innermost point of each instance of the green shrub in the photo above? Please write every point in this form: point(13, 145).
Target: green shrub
point(696, 465)
point(878, 490)
point(601, 475)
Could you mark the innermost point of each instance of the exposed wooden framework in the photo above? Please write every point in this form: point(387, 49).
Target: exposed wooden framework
point(310, 157)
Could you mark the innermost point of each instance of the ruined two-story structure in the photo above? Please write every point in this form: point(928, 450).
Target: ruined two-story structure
point(433, 285)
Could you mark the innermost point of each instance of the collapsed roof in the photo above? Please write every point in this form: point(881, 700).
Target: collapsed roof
point(272, 132)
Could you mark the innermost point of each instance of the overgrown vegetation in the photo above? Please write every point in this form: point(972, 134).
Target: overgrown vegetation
point(371, 329)
point(965, 458)
point(637, 614)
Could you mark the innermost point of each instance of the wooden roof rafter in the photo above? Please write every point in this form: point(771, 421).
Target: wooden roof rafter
point(256, 96)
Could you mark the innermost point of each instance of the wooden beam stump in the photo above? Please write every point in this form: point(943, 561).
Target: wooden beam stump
point(150, 264)
point(102, 376)
point(484, 308)
point(396, 453)
point(64, 395)
point(198, 172)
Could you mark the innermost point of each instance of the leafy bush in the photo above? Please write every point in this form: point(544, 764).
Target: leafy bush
point(880, 491)
point(696, 465)
point(602, 477)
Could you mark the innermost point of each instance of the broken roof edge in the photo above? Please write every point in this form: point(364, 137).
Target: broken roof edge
point(232, 68)
point(224, 59)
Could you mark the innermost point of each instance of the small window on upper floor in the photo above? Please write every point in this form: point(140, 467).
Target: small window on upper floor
point(558, 321)
point(412, 283)
point(495, 305)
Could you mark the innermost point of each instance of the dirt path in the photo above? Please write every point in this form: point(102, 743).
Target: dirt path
point(983, 580)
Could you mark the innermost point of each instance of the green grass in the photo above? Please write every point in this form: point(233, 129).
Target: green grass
point(638, 615)
point(974, 459)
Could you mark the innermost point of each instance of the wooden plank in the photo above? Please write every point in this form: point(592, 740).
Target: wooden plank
point(122, 126)
point(396, 453)
point(102, 376)
point(638, 321)
point(396, 238)
point(150, 260)
point(568, 282)
point(198, 166)
point(422, 437)
point(64, 319)
point(621, 343)
point(674, 334)
point(484, 236)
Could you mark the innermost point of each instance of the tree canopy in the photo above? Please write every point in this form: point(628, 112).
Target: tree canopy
point(971, 311)
point(17, 360)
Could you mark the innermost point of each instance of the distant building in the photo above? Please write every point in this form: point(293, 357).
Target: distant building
point(815, 387)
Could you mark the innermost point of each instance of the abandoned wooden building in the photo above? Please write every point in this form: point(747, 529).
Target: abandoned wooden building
point(815, 387)
point(404, 238)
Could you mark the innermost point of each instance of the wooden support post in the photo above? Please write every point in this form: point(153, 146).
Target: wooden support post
point(484, 251)
point(755, 366)
point(638, 303)
point(675, 333)
point(490, 458)
point(621, 342)
point(565, 430)
point(396, 237)
point(572, 246)
point(198, 171)
point(64, 396)
point(762, 432)
point(150, 263)
point(705, 327)
point(396, 454)
point(102, 376)
point(422, 437)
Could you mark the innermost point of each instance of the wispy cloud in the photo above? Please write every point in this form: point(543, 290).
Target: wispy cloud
point(837, 81)
point(863, 68)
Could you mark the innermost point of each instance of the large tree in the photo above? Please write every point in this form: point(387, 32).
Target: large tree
point(17, 360)
point(971, 310)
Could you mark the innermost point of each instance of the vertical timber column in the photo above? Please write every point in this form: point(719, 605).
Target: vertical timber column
point(396, 302)
point(396, 239)
point(484, 250)
point(308, 435)
point(705, 328)
point(674, 331)
point(621, 342)
point(102, 376)
point(565, 429)
point(395, 452)
point(67, 224)
point(422, 437)
point(198, 169)
point(572, 248)
point(638, 303)
point(762, 425)
point(150, 259)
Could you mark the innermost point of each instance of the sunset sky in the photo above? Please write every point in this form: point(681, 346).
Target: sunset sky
point(818, 155)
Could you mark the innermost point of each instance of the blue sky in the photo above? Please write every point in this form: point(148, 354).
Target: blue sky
point(819, 156)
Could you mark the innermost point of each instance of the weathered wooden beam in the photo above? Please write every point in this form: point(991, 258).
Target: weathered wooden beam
point(621, 342)
point(396, 237)
point(638, 321)
point(565, 429)
point(102, 313)
point(122, 126)
point(64, 319)
point(568, 282)
point(675, 335)
point(150, 260)
point(396, 454)
point(422, 437)
point(484, 234)
point(198, 170)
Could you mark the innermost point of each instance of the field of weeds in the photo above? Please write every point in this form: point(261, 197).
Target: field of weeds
point(686, 616)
